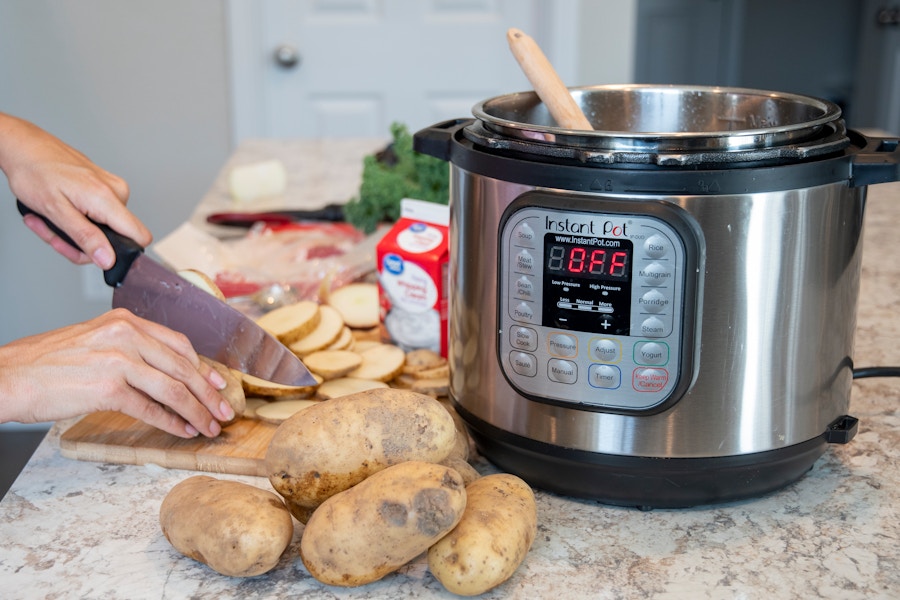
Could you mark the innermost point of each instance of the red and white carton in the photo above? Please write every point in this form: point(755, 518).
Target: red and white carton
point(413, 260)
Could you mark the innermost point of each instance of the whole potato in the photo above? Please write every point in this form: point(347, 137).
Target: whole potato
point(234, 528)
point(492, 538)
point(234, 389)
point(332, 446)
point(374, 528)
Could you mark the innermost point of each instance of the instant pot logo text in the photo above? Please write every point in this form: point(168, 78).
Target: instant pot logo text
point(607, 228)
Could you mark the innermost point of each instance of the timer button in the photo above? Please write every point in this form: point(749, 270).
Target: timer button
point(605, 376)
point(562, 371)
point(654, 327)
point(524, 263)
point(654, 301)
point(522, 312)
point(523, 235)
point(605, 350)
point(656, 246)
point(523, 363)
point(562, 344)
point(523, 338)
point(656, 274)
point(523, 288)
point(651, 353)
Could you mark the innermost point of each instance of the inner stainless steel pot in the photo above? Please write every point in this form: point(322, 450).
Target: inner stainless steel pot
point(667, 125)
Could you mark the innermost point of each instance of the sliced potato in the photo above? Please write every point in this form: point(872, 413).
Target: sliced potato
point(363, 345)
point(202, 281)
point(344, 341)
point(291, 322)
point(331, 364)
point(441, 372)
point(233, 392)
point(422, 359)
point(325, 333)
point(269, 389)
point(280, 410)
point(358, 304)
point(344, 386)
point(380, 363)
point(252, 405)
point(372, 334)
point(432, 387)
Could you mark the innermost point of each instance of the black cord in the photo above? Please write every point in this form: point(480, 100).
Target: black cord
point(864, 372)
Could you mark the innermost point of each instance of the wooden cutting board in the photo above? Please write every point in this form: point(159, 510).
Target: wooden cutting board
point(116, 438)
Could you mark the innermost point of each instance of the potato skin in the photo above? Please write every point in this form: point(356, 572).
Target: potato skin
point(234, 528)
point(333, 446)
point(492, 538)
point(360, 535)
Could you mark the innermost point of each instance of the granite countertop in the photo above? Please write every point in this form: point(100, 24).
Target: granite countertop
point(74, 529)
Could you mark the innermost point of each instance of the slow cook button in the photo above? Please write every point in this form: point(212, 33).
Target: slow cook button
point(605, 376)
point(523, 338)
point(563, 344)
point(649, 380)
point(523, 363)
point(562, 371)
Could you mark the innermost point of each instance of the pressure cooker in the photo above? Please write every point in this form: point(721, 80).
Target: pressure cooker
point(659, 312)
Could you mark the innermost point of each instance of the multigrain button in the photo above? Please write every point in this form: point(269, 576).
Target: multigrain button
point(524, 263)
point(655, 274)
point(523, 338)
point(605, 350)
point(562, 344)
point(651, 353)
point(523, 235)
point(562, 371)
point(605, 376)
point(656, 246)
point(523, 288)
point(654, 302)
point(523, 363)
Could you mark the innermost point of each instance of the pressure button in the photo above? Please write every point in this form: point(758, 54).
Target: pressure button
point(562, 344)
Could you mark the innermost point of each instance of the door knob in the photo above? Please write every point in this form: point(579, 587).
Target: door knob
point(287, 56)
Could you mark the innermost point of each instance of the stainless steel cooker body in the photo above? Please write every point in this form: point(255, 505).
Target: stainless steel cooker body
point(706, 353)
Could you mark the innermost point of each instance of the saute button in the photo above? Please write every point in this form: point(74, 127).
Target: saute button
point(562, 344)
point(563, 371)
point(651, 353)
point(605, 376)
point(523, 235)
point(605, 350)
point(523, 338)
point(523, 363)
point(656, 246)
point(654, 301)
point(656, 274)
point(524, 263)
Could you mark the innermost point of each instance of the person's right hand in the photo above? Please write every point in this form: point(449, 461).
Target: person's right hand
point(118, 362)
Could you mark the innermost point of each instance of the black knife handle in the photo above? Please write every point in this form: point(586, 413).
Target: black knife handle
point(126, 249)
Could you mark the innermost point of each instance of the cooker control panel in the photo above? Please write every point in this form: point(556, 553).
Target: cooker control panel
point(591, 305)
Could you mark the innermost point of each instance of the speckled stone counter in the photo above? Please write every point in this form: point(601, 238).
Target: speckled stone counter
point(73, 529)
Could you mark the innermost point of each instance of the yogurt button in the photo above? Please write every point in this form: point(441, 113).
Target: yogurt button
point(651, 353)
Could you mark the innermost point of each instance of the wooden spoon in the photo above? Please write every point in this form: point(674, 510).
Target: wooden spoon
point(549, 87)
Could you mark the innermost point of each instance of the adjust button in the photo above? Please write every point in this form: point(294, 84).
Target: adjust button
point(563, 371)
point(605, 350)
point(523, 363)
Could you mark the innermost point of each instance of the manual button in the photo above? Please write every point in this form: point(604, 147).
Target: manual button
point(562, 371)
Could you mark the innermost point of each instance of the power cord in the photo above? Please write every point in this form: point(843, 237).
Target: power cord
point(864, 372)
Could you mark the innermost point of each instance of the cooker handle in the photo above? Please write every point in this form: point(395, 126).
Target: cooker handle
point(435, 140)
point(877, 162)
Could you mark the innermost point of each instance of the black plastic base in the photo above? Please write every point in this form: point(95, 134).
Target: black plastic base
point(643, 482)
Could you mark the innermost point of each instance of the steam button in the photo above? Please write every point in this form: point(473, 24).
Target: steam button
point(654, 327)
point(656, 246)
point(562, 371)
point(523, 235)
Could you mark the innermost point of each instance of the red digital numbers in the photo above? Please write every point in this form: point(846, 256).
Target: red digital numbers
point(576, 260)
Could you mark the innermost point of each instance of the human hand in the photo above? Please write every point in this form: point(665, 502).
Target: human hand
point(118, 362)
point(62, 184)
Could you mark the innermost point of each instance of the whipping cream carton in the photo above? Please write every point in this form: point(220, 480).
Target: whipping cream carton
point(413, 259)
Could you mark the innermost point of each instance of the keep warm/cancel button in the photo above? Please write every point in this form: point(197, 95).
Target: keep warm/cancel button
point(649, 380)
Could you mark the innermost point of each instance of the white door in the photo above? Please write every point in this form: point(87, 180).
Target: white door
point(359, 65)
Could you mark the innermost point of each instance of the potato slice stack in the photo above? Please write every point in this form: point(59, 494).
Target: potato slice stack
point(339, 342)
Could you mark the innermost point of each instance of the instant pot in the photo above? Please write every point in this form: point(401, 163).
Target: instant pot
point(659, 312)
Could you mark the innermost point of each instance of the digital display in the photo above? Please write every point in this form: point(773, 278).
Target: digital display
point(600, 258)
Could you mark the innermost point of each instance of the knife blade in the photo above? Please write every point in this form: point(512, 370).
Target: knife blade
point(214, 328)
point(331, 213)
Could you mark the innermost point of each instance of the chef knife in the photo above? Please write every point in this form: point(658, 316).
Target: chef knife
point(332, 213)
point(214, 328)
